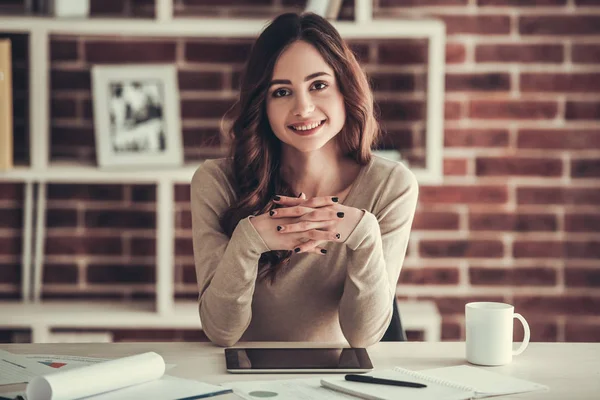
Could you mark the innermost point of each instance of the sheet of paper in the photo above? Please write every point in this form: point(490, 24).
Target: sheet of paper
point(16, 368)
point(70, 362)
point(301, 389)
point(62, 362)
point(485, 382)
point(98, 378)
point(169, 387)
point(12, 396)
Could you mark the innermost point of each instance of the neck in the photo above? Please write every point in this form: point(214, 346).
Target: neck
point(317, 173)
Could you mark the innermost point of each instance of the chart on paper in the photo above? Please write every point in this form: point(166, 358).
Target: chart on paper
point(64, 362)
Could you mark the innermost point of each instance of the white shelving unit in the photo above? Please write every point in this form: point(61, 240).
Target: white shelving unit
point(164, 313)
point(41, 318)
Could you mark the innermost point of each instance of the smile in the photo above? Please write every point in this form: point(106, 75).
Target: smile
point(305, 130)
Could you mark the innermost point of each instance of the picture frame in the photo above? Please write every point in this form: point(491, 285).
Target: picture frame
point(137, 120)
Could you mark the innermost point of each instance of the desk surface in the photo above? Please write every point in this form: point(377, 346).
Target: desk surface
point(571, 370)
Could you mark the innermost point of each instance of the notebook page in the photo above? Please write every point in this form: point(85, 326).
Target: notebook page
point(486, 383)
point(433, 391)
point(298, 389)
point(168, 387)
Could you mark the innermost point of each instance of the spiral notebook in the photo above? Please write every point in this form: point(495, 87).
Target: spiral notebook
point(451, 383)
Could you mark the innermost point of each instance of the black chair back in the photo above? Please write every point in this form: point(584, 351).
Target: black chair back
point(394, 332)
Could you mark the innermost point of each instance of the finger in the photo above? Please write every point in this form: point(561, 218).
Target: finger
point(316, 234)
point(312, 246)
point(323, 214)
point(288, 201)
point(323, 201)
point(295, 211)
point(304, 226)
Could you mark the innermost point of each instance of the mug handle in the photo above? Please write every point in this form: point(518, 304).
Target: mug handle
point(527, 333)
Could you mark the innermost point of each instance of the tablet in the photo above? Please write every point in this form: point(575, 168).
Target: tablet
point(295, 360)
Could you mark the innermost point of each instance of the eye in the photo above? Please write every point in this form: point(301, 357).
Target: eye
point(280, 92)
point(320, 85)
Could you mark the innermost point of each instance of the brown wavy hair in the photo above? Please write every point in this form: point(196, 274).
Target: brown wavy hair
point(256, 151)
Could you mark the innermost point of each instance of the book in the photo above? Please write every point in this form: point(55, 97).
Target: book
point(136, 377)
point(6, 106)
point(449, 383)
point(328, 9)
point(333, 10)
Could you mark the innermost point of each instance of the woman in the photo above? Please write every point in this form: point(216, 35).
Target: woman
point(301, 234)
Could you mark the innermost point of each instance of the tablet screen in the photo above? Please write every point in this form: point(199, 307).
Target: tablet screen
point(297, 359)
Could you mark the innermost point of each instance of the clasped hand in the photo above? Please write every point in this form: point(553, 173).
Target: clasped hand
point(303, 225)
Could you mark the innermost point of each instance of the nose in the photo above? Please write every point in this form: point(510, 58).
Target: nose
point(303, 106)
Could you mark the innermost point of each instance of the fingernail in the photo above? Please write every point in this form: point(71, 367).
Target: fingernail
point(297, 249)
point(277, 198)
point(337, 236)
point(323, 251)
point(271, 213)
point(334, 199)
point(340, 214)
point(300, 195)
point(279, 227)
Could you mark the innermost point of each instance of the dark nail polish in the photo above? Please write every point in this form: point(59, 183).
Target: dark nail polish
point(277, 198)
point(279, 227)
point(271, 213)
point(337, 236)
point(334, 199)
point(340, 214)
point(323, 251)
point(297, 249)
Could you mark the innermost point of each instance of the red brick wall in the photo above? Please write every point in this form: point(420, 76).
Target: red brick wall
point(516, 219)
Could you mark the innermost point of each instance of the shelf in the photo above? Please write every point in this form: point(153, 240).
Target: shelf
point(106, 315)
point(73, 172)
point(209, 27)
point(91, 174)
point(422, 315)
point(41, 27)
point(41, 317)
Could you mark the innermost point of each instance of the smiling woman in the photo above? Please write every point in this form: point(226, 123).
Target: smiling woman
point(301, 234)
point(310, 106)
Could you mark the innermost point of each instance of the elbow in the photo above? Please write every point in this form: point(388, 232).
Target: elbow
point(361, 342)
point(357, 337)
point(223, 341)
point(219, 336)
point(368, 333)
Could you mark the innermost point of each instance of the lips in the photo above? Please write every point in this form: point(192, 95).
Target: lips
point(307, 131)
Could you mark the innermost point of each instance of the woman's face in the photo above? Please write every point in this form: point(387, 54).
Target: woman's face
point(304, 103)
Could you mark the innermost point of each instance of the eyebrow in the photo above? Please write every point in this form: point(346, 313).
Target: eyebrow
point(288, 82)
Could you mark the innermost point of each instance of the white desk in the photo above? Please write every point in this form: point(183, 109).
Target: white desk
point(571, 370)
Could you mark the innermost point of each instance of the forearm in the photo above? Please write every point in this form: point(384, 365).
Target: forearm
point(366, 306)
point(226, 300)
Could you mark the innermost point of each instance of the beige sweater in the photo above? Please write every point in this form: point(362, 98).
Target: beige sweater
point(344, 296)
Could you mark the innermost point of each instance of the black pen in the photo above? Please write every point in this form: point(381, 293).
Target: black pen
point(381, 381)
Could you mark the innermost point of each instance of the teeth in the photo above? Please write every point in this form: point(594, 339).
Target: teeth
point(306, 127)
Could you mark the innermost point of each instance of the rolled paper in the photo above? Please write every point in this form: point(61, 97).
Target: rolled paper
point(98, 378)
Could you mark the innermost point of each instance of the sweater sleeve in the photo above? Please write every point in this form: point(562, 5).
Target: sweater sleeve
point(377, 248)
point(226, 268)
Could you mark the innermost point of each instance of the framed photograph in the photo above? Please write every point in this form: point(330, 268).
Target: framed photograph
point(136, 115)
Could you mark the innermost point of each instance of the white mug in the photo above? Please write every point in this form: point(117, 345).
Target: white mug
point(489, 333)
